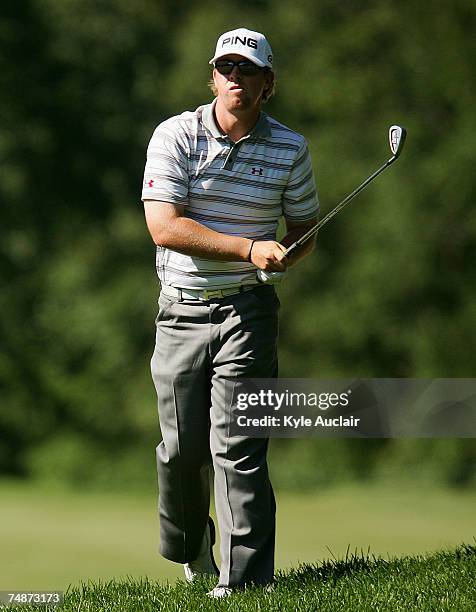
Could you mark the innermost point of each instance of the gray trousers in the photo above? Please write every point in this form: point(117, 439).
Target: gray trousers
point(198, 346)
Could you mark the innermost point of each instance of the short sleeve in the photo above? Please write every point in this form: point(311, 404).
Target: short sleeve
point(166, 168)
point(300, 201)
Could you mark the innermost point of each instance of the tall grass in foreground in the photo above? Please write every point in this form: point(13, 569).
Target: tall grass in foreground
point(440, 582)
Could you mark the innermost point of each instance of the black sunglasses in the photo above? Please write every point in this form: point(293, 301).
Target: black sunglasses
point(244, 66)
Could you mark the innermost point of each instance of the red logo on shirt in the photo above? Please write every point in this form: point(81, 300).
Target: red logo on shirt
point(150, 183)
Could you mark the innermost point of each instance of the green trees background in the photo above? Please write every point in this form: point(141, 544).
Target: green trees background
point(390, 290)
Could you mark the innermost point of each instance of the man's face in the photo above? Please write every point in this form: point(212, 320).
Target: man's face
point(238, 91)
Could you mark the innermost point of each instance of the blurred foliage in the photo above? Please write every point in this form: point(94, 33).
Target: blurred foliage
point(389, 292)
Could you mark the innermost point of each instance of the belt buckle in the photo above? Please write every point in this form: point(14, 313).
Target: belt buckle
point(211, 293)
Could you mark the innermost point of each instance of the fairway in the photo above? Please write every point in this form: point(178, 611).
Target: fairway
point(51, 539)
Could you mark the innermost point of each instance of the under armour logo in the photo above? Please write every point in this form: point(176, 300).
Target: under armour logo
point(150, 183)
point(257, 171)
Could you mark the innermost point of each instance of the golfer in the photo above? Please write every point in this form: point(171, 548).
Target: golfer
point(217, 181)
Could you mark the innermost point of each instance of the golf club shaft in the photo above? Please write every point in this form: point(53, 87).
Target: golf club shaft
point(305, 237)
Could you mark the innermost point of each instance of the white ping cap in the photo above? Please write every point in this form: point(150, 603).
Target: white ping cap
point(247, 43)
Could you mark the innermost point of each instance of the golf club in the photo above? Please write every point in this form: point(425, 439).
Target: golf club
point(396, 137)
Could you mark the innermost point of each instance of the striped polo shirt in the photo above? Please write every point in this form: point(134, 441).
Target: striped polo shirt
point(236, 188)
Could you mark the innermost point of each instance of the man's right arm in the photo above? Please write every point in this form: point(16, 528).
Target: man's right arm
point(169, 228)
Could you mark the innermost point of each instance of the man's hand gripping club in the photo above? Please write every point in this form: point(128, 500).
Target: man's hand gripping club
point(270, 259)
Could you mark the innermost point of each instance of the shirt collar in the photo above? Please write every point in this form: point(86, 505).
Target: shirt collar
point(261, 129)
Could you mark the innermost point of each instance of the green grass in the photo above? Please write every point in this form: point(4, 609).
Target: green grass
point(50, 539)
point(440, 582)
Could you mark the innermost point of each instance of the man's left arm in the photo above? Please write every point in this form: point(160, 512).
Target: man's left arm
point(300, 204)
point(296, 229)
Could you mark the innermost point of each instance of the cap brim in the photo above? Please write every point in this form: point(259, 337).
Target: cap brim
point(248, 57)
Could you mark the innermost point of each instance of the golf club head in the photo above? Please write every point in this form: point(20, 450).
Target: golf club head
point(396, 137)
